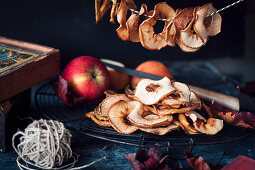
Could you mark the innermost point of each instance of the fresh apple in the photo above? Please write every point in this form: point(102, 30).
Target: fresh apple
point(118, 80)
point(152, 67)
point(87, 77)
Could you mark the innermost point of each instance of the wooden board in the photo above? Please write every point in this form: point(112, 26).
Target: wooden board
point(23, 65)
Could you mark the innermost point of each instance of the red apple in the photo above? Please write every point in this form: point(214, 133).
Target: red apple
point(87, 77)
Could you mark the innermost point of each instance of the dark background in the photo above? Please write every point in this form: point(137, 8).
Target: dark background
point(70, 26)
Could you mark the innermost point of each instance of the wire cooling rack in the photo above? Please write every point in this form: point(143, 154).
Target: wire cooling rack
point(50, 107)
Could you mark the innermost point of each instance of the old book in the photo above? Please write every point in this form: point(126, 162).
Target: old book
point(23, 65)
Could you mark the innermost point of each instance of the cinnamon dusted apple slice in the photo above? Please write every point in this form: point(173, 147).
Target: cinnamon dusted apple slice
point(207, 26)
point(150, 92)
point(91, 115)
point(107, 103)
point(180, 97)
point(118, 117)
point(210, 126)
point(160, 130)
point(140, 118)
point(148, 38)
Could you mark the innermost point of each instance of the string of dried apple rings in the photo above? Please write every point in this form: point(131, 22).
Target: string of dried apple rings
point(189, 28)
point(222, 9)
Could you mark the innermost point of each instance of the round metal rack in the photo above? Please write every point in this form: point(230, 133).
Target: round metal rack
point(51, 107)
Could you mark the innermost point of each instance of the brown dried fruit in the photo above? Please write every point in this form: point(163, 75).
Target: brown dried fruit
point(118, 117)
point(91, 115)
point(151, 92)
point(161, 130)
point(140, 118)
point(107, 103)
point(148, 38)
point(207, 26)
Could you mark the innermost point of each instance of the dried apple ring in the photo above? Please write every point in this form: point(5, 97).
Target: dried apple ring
point(118, 117)
point(100, 11)
point(180, 22)
point(148, 38)
point(210, 126)
point(122, 31)
point(151, 92)
point(91, 115)
point(133, 24)
point(185, 123)
point(139, 117)
point(107, 103)
point(160, 130)
point(205, 26)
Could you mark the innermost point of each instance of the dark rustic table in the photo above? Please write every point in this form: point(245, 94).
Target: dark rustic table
point(91, 148)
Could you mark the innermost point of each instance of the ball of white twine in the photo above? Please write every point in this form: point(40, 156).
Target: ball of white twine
point(44, 144)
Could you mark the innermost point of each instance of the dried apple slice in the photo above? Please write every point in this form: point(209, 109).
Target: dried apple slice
point(207, 26)
point(107, 103)
point(170, 34)
point(98, 115)
point(133, 24)
point(118, 117)
point(195, 100)
point(109, 93)
point(100, 11)
point(186, 124)
point(148, 38)
point(140, 118)
point(129, 93)
point(191, 39)
point(122, 31)
point(151, 92)
point(91, 115)
point(180, 22)
point(113, 11)
point(160, 130)
point(210, 126)
point(180, 97)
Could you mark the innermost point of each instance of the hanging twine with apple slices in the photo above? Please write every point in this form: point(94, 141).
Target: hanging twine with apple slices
point(46, 144)
point(189, 28)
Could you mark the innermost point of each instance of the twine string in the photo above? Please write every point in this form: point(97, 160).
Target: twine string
point(46, 144)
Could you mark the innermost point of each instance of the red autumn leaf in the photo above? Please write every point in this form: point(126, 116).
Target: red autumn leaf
point(64, 94)
point(235, 118)
point(134, 162)
point(147, 160)
point(198, 163)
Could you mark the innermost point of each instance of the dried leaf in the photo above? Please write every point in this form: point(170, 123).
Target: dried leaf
point(147, 159)
point(65, 94)
point(235, 118)
point(198, 163)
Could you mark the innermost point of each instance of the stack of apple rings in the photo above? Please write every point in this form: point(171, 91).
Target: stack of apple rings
point(157, 107)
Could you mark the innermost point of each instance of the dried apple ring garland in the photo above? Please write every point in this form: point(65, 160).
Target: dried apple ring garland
point(189, 28)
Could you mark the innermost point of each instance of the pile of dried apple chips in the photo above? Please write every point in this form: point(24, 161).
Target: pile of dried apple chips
point(156, 107)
